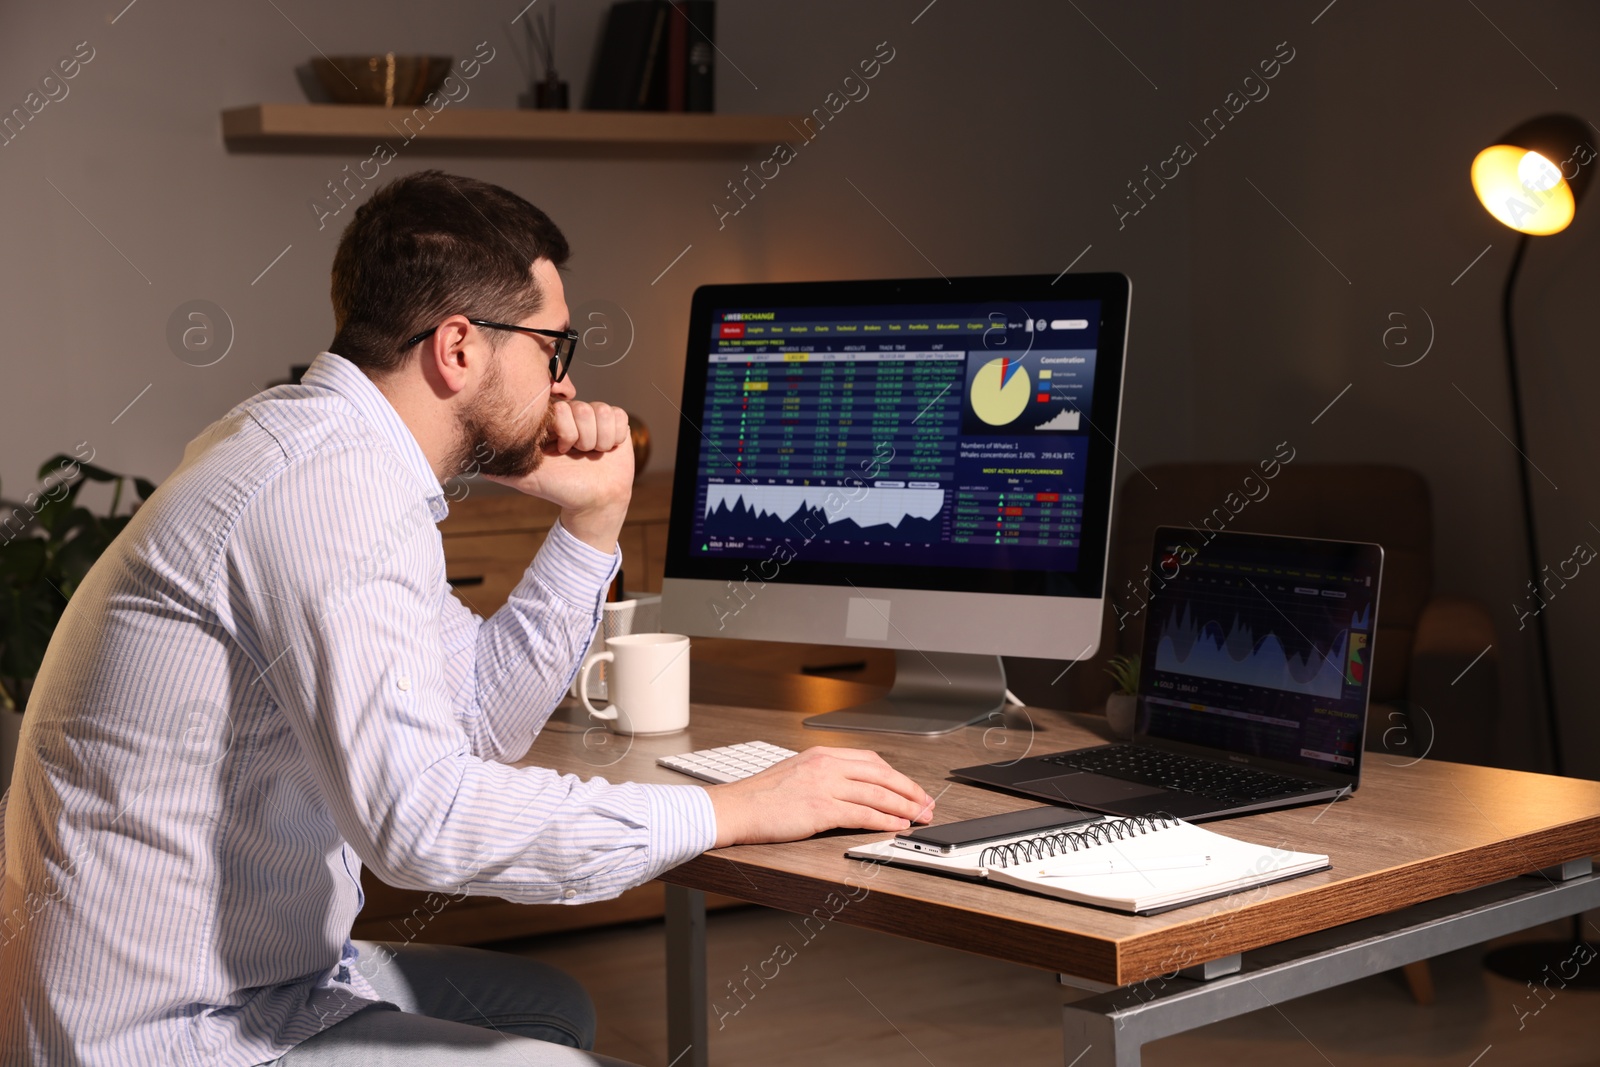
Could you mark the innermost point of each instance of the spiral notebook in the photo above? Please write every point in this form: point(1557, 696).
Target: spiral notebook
point(1138, 865)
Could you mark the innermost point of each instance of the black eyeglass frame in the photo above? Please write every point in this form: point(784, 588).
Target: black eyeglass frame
point(560, 362)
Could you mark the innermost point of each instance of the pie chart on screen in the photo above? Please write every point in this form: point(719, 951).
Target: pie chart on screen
point(1000, 391)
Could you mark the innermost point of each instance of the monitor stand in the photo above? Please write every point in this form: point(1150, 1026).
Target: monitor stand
point(933, 693)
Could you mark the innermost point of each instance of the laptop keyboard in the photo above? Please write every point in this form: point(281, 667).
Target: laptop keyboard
point(1184, 774)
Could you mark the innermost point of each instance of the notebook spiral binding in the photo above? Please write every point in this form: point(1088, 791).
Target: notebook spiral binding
point(1038, 848)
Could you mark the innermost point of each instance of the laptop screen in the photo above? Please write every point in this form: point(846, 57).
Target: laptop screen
point(1260, 646)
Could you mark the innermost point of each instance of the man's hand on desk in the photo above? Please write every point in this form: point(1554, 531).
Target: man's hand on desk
point(819, 789)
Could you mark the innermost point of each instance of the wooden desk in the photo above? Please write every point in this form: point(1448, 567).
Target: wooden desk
point(1414, 833)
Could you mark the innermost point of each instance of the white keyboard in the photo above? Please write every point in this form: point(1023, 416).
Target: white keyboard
point(729, 763)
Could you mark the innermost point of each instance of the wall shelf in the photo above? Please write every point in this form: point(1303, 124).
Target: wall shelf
point(342, 128)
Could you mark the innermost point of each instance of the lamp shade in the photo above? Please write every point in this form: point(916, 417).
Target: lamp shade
point(1532, 178)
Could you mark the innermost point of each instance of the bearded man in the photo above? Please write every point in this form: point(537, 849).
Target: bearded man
point(266, 684)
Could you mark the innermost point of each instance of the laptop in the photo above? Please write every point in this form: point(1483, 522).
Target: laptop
point(1253, 682)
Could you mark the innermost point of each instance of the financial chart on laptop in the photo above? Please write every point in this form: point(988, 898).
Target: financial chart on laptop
point(1254, 676)
point(1259, 647)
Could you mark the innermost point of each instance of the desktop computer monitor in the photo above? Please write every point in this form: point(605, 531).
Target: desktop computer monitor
point(922, 465)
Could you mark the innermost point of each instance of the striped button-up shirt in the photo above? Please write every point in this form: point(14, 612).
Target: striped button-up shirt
point(264, 684)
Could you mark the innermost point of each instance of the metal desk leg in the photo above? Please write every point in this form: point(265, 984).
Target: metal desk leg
point(1090, 1040)
point(686, 978)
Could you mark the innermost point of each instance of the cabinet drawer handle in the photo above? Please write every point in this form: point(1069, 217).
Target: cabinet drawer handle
point(460, 583)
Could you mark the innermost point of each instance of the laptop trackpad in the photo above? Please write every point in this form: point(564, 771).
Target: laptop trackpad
point(1088, 789)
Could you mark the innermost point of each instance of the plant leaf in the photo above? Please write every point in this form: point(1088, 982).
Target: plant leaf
point(93, 473)
point(53, 465)
point(73, 561)
point(38, 574)
point(63, 520)
point(22, 560)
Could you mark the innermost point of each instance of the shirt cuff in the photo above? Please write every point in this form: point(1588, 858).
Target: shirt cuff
point(575, 571)
point(683, 823)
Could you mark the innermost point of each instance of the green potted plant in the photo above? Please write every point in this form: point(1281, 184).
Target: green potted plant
point(1124, 702)
point(47, 545)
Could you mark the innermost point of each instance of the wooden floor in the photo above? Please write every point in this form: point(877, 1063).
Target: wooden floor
point(852, 996)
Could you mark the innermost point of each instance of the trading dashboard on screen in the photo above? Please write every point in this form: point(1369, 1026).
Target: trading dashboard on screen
point(947, 436)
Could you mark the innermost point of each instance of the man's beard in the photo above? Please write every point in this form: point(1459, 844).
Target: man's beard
point(491, 440)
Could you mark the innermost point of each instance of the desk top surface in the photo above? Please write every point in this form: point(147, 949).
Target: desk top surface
point(1414, 831)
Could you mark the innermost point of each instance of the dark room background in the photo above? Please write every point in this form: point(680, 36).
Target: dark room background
point(1000, 138)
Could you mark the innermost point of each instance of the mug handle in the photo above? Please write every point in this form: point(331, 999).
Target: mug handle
point(608, 656)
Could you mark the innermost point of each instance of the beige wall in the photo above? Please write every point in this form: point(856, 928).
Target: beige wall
point(997, 140)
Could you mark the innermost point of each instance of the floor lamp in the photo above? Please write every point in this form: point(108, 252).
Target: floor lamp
point(1531, 180)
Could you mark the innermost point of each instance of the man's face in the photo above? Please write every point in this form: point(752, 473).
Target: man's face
point(511, 419)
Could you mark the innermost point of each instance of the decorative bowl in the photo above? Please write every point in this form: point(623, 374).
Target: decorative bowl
point(383, 81)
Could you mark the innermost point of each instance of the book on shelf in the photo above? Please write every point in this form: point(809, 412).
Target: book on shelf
point(1137, 865)
point(654, 55)
point(677, 65)
point(628, 43)
point(700, 19)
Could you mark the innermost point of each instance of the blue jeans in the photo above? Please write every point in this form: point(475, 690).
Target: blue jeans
point(458, 1006)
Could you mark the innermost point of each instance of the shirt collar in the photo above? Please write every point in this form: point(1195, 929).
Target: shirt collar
point(338, 375)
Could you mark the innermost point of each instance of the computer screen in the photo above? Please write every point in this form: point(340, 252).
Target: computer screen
point(1261, 645)
point(923, 464)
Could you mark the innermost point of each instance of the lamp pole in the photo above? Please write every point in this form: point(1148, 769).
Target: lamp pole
point(1541, 628)
point(1537, 199)
point(1527, 961)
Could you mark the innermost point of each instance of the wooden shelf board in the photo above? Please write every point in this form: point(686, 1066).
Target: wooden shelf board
point(341, 127)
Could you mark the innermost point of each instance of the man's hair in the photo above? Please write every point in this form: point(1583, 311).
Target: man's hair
point(428, 246)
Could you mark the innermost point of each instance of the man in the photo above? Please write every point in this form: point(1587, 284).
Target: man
point(266, 684)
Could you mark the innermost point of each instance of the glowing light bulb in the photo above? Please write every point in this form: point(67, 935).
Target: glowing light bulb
point(1537, 172)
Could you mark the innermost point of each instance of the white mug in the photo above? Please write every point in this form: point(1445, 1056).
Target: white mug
point(648, 683)
point(636, 615)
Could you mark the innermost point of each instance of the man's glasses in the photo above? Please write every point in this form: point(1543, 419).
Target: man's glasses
point(566, 343)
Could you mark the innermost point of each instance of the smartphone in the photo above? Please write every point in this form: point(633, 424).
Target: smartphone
point(946, 838)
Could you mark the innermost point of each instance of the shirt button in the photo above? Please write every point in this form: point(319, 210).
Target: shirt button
point(404, 682)
point(569, 894)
